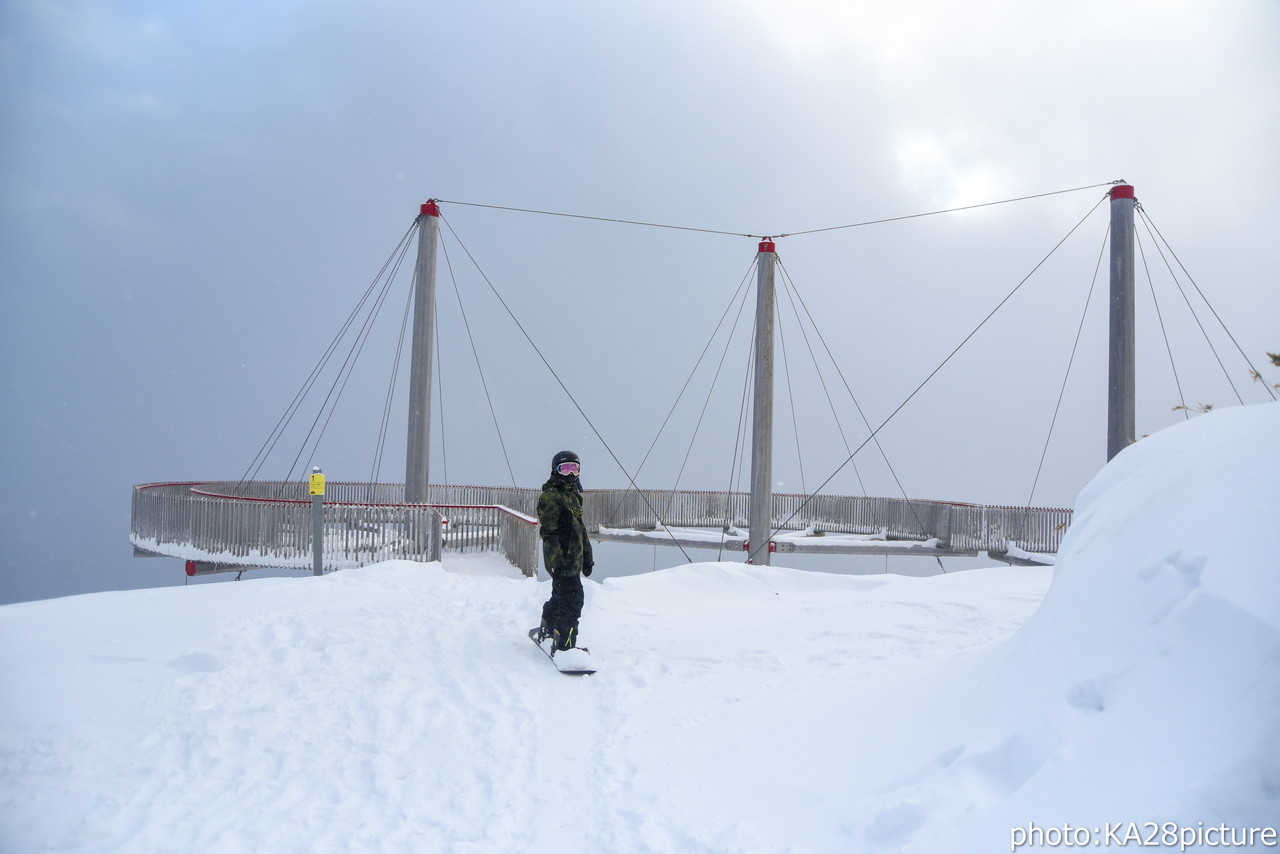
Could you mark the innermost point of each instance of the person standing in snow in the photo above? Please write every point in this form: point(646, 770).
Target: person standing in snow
point(566, 551)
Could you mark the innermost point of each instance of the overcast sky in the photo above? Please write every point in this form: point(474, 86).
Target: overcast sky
point(195, 195)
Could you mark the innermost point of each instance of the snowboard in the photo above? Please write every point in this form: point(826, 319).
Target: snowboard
point(574, 662)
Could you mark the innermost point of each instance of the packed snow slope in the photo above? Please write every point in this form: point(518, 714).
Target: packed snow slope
point(401, 708)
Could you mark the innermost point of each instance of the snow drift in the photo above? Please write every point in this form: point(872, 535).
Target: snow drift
point(737, 709)
point(1146, 688)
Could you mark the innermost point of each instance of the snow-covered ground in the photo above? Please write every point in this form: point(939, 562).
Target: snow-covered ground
point(401, 708)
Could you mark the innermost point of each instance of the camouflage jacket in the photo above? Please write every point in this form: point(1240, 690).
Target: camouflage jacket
point(565, 547)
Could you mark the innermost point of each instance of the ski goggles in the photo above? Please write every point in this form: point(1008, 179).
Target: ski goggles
point(568, 468)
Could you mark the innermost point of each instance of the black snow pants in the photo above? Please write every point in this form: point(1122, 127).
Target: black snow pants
point(564, 608)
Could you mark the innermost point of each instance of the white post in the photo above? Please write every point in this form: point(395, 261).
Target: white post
point(418, 453)
point(761, 516)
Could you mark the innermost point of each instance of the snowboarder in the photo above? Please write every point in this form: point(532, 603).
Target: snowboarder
point(566, 551)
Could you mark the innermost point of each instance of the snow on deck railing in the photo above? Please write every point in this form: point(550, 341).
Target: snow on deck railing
point(268, 524)
point(956, 526)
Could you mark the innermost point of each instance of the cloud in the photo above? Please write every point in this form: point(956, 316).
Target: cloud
point(241, 172)
point(81, 30)
point(145, 104)
point(1027, 91)
point(950, 175)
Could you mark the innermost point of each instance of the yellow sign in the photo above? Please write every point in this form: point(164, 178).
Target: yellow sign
point(317, 484)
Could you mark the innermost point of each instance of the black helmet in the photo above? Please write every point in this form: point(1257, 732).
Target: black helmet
point(565, 456)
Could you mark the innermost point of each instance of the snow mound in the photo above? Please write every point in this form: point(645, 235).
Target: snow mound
point(1146, 688)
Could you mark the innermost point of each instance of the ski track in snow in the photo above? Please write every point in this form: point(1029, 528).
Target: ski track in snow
point(401, 707)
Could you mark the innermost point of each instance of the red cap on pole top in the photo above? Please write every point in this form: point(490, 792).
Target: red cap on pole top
point(1122, 191)
point(768, 245)
point(430, 208)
